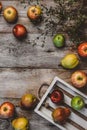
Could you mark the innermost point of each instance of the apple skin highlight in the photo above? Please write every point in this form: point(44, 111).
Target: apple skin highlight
point(10, 14)
point(34, 13)
point(7, 110)
point(82, 50)
point(57, 96)
point(77, 103)
point(19, 31)
point(79, 79)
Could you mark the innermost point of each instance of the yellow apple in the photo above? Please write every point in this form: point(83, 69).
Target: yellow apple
point(34, 12)
point(10, 14)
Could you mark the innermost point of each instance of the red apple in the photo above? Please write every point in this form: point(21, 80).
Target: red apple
point(0, 6)
point(10, 14)
point(7, 110)
point(79, 79)
point(19, 31)
point(57, 96)
point(34, 12)
point(82, 50)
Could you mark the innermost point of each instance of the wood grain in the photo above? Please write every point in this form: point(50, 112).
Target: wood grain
point(15, 82)
point(31, 52)
point(35, 121)
point(14, 53)
point(19, 81)
point(25, 65)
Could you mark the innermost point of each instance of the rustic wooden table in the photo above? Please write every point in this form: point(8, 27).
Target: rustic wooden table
point(26, 65)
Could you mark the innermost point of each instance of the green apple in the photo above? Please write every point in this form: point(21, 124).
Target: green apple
point(77, 103)
point(59, 40)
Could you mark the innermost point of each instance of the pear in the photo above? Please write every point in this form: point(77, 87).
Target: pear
point(60, 114)
point(20, 123)
point(70, 61)
point(28, 101)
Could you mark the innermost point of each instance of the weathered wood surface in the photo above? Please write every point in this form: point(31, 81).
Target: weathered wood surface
point(16, 82)
point(31, 52)
point(19, 58)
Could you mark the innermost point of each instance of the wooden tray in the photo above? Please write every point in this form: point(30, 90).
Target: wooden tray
point(77, 119)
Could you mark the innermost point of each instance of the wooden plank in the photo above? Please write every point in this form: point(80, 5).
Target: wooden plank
point(19, 81)
point(16, 82)
point(30, 52)
point(23, 19)
point(33, 53)
point(23, 80)
point(22, 11)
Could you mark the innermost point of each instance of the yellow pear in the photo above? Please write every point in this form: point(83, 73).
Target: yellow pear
point(70, 61)
point(28, 101)
point(20, 123)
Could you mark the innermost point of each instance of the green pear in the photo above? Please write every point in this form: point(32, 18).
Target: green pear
point(70, 61)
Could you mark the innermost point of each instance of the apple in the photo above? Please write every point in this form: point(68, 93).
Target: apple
point(0, 6)
point(20, 123)
point(28, 101)
point(10, 14)
point(7, 110)
point(77, 103)
point(79, 79)
point(59, 40)
point(19, 31)
point(34, 13)
point(82, 50)
point(57, 96)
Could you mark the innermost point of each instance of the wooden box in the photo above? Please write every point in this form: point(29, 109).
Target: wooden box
point(77, 120)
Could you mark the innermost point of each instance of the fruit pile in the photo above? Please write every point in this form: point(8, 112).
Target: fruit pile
point(8, 111)
point(10, 14)
point(61, 113)
point(71, 61)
